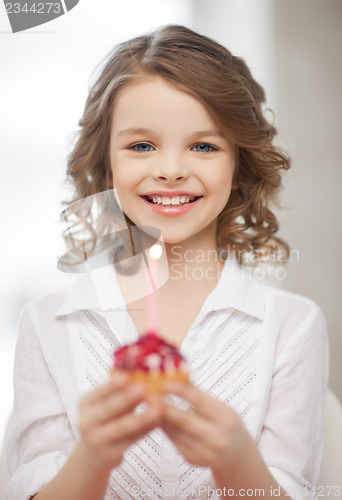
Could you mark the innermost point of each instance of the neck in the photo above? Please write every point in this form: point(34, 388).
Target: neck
point(192, 260)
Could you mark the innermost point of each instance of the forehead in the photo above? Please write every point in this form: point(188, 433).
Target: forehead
point(154, 100)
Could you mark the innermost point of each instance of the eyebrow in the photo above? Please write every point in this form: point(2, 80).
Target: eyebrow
point(135, 130)
point(199, 133)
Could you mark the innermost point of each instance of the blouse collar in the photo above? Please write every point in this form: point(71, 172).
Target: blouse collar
point(98, 290)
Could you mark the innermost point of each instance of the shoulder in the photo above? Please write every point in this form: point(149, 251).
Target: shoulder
point(296, 318)
point(41, 312)
point(54, 306)
point(39, 331)
point(285, 303)
point(49, 302)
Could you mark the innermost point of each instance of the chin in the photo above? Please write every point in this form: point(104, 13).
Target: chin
point(174, 239)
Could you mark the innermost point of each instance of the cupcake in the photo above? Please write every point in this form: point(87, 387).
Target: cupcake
point(152, 361)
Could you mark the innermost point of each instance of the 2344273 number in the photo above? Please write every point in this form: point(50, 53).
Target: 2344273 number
point(323, 491)
point(34, 8)
point(317, 491)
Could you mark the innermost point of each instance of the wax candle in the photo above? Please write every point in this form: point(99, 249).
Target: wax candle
point(155, 253)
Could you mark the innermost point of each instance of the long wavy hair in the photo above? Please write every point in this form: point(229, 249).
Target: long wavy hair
point(225, 86)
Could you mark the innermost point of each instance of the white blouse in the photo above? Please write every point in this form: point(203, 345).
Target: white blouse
point(261, 350)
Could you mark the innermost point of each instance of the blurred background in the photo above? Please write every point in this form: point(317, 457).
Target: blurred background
point(293, 49)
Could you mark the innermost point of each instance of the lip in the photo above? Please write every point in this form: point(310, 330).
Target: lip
point(170, 210)
point(170, 194)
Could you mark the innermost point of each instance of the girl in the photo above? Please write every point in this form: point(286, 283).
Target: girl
point(174, 123)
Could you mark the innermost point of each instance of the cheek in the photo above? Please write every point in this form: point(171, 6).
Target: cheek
point(122, 181)
point(125, 185)
point(126, 173)
point(221, 183)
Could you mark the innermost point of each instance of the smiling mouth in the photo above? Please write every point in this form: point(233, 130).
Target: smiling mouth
point(167, 201)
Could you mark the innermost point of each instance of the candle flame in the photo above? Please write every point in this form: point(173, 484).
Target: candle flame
point(156, 251)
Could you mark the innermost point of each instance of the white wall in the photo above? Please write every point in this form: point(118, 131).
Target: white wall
point(308, 69)
point(295, 50)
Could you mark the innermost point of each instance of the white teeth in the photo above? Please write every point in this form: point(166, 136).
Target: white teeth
point(166, 200)
point(175, 200)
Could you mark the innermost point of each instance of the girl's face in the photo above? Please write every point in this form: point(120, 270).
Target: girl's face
point(172, 166)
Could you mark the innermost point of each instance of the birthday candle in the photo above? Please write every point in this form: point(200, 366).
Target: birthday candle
point(152, 269)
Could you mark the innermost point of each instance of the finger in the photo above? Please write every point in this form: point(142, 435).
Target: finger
point(154, 420)
point(116, 382)
point(185, 443)
point(191, 424)
point(129, 426)
point(217, 436)
point(119, 403)
point(202, 402)
point(194, 450)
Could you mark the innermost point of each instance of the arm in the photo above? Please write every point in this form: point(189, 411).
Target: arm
point(40, 436)
point(291, 441)
point(248, 472)
point(108, 427)
point(44, 459)
point(214, 436)
point(290, 445)
point(78, 479)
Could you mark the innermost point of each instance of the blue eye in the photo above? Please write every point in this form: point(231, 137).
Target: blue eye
point(203, 147)
point(142, 147)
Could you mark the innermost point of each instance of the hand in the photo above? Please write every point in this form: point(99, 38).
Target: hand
point(107, 423)
point(212, 435)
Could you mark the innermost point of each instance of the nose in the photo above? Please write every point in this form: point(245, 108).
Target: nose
point(170, 168)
